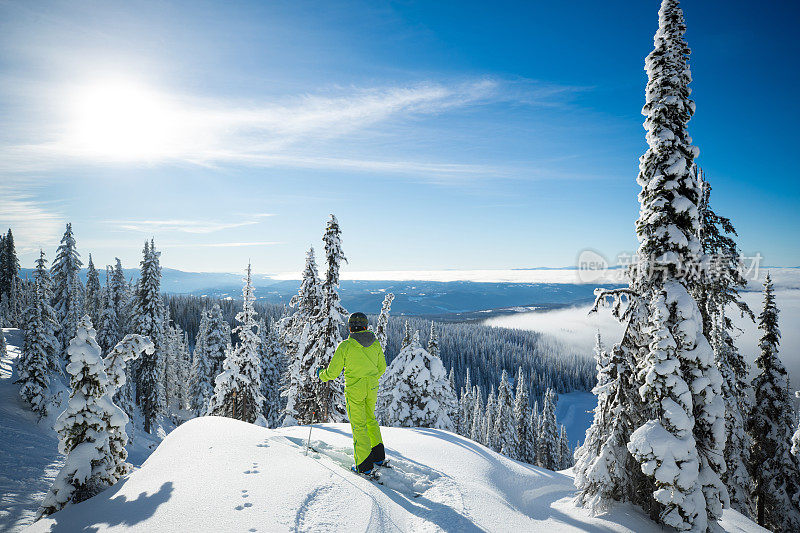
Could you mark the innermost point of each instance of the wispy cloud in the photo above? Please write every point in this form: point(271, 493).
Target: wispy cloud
point(186, 226)
point(34, 225)
point(221, 244)
point(295, 132)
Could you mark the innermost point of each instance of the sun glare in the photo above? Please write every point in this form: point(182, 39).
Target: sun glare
point(122, 120)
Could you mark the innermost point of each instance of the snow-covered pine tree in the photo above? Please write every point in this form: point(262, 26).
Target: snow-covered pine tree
point(295, 333)
point(466, 408)
point(116, 419)
point(407, 335)
point(176, 374)
point(433, 341)
point(47, 315)
point(109, 327)
point(522, 420)
point(237, 390)
point(548, 454)
point(9, 273)
point(716, 291)
point(40, 359)
point(477, 425)
point(564, 451)
point(381, 332)
point(489, 437)
point(737, 394)
point(185, 356)
point(324, 398)
point(306, 303)
point(94, 301)
point(504, 428)
point(533, 424)
point(218, 340)
point(774, 469)
point(83, 426)
point(680, 443)
point(202, 380)
point(121, 293)
point(415, 390)
point(67, 291)
point(33, 368)
point(148, 320)
point(455, 412)
point(603, 463)
point(271, 358)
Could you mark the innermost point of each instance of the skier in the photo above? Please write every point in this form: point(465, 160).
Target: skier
point(361, 357)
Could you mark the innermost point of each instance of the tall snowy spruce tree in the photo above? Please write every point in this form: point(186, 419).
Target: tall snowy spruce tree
point(381, 328)
point(237, 390)
point(415, 390)
point(774, 469)
point(108, 328)
point(522, 421)
point(271, 356)
point(9, 275)
point(504, 427)
point(83, 427)
point(122, 294)
point(46, 314)
point(211, 348)
point(67, 288)
point(148, 320)
point(716, 292)
point(202, 380)
point(295, 332)
point(433, 341)
point(466, 408)
point(476, 432)
point(40, 359)
point(603, 463)
point(548, 452)
point(308, 397)
point(680, 427)
point(93, 302)
point(489, 437)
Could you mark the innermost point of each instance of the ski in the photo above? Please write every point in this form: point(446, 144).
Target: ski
point(372, 476)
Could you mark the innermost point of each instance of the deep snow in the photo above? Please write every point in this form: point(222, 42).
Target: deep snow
point(217, 474)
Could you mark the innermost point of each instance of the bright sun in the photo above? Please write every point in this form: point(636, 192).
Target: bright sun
point(121, 120)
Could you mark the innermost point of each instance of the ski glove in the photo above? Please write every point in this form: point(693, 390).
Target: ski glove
point(319, 371)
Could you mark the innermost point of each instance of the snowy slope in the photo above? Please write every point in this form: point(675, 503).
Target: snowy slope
point(29, 459)
point(216, 474)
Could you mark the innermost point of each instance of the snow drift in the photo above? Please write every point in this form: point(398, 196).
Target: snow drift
point(218, 474)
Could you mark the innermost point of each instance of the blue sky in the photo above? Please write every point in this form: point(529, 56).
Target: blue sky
point(444, 135)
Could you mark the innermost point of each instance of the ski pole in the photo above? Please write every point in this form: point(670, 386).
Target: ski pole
point(308, 442)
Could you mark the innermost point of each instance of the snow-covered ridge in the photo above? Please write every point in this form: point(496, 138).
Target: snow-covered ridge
point(217, 474)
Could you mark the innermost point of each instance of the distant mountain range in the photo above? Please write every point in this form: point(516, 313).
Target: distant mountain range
point(454, 298)
point(461, 299)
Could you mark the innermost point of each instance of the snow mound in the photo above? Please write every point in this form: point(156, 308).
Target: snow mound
point(217, 474)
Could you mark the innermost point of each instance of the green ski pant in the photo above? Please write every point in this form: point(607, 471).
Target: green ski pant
point(360, 398)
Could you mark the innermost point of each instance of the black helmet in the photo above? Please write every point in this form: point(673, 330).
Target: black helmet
point(358, 322)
